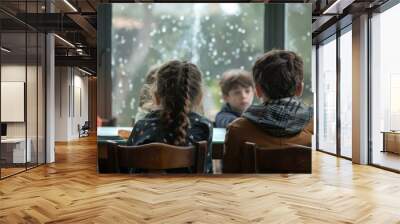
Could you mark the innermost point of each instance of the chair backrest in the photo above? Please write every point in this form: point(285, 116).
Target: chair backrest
point(160, 156)
point(284, 159)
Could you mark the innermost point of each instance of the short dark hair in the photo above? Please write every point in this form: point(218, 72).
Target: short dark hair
point(234, 78)
point(278, 72)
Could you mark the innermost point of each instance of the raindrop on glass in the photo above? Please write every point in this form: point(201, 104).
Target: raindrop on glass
point(215, 53)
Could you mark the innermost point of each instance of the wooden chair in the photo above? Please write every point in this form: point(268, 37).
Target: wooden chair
point(284, 159)
point(156, 157)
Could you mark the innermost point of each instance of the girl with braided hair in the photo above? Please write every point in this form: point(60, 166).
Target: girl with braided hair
point(178, 91)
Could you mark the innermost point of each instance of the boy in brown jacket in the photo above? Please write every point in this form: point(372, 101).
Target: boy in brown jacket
point(281, 119)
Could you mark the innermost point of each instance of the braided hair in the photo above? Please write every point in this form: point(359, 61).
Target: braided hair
point(178, 86)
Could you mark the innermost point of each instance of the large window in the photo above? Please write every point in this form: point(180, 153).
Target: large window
point(346, 93)
point(334, 106)
point(298, 39)
point(385, 87)
point(327, 96)
point(214, 36)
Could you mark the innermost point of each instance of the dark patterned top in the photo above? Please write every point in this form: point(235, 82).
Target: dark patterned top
point(148, 130)
point(282, 117)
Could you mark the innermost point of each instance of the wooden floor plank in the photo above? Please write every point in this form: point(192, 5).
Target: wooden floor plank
point(71, 191)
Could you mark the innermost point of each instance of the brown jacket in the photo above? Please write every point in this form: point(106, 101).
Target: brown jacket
point(242, 130)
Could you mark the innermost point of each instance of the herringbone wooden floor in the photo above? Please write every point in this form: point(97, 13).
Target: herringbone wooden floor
point(70, 191)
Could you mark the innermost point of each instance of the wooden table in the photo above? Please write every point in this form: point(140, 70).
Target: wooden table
point(106, 156)
point(218, 141)
point(391, 141)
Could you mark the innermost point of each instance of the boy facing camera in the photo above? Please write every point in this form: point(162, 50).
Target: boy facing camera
point(281, 119)
point(238, 92)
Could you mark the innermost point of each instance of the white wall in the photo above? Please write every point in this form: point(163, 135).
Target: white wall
point(61, 104)
point(71, 94)
point(12, 73)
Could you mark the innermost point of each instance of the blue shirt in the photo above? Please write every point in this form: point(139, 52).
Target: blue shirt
point(225, 116)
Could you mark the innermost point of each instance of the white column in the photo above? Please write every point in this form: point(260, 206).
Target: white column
point(50, 99)
point(360, 90)
point(314, 91)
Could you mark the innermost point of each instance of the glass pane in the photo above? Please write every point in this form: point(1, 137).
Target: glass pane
point(41, 98)
point(346, 94)
point(31, 97)
point(31, 88)
point(327, 97)
point(214, 36)
point(386, 89)
point(13, 86)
